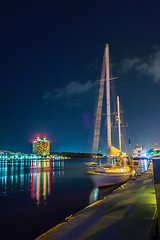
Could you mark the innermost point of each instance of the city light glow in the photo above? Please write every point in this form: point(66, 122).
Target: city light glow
point(41, 146)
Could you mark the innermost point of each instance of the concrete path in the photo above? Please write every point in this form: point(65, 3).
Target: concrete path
point(128, 213)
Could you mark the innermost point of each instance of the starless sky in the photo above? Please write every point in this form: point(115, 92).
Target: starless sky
point(51, 59)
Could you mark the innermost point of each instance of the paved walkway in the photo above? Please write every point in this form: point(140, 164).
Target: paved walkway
point(127, 214)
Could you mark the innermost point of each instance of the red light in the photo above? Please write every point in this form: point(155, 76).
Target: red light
point(156, 143)
point(44, 137)
point(37, 136)
point(49, 141)
point(32, 140)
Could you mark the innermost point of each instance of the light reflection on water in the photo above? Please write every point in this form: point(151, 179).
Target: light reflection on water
point(141, 165)
point(38, 194)
point(31, 174)
point(37, 175)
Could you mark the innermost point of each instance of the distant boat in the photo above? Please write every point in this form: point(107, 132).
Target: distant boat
point(91, 164)
point(139, 153)
point(104, 176)
point(141, 159)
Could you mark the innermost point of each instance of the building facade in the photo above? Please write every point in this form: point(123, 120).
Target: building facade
point(41, 146)
point(8, 155)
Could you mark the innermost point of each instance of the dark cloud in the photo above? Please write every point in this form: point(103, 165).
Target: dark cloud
point(127, 63)
point(148, 65)
point(72, 89)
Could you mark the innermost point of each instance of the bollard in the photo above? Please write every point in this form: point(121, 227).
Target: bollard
point(156, 171)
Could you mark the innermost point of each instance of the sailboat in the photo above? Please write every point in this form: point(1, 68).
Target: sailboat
point(105, 176)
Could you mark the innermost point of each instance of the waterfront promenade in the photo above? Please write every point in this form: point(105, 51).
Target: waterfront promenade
point(127, 213)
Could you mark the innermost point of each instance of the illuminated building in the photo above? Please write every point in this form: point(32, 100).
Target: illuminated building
point(154, 152)
point(8, 155)
point(41, 146)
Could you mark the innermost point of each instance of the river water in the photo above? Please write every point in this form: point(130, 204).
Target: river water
point(35, 195)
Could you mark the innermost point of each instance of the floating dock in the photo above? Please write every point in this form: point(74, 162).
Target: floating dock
point(128, 213)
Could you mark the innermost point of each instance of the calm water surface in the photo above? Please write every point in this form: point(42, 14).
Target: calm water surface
point(35, 195)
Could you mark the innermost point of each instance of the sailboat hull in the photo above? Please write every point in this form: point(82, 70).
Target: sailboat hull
point(107, 179)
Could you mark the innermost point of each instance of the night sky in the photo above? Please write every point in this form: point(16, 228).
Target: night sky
point(51, 59)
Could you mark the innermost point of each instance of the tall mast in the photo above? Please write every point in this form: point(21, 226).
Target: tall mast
point(119, 123)
point(108, 97)
point(99, 110)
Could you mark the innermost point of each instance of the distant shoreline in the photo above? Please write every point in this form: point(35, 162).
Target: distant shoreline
point(72, 155)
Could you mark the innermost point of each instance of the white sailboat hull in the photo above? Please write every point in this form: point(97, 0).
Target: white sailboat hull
point(103, 179)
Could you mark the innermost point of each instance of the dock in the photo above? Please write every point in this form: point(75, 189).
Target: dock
point(130, 212)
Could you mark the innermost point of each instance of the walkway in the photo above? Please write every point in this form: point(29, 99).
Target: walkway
point(127, 213)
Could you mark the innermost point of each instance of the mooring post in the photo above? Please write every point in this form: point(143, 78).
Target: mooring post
point(156, 171)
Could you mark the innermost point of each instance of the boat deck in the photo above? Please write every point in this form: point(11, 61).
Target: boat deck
point(127, 213)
